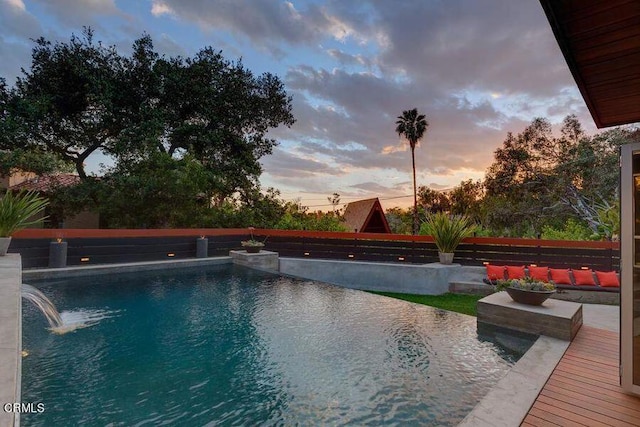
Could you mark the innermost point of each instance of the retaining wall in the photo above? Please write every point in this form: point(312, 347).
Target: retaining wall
point(426, 279)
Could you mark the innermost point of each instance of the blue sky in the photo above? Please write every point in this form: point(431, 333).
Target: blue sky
point(477, 68)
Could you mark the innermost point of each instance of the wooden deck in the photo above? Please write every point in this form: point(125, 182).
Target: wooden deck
point(584, 390)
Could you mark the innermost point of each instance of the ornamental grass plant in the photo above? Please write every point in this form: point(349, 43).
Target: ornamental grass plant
point(18, 210)
point(448, 230)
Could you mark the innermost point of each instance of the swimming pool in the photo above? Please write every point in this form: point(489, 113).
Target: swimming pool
point(229, 345)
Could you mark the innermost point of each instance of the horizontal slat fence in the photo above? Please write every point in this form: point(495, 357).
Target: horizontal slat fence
point(354, 249)
point(111, 250)
point(112, 246)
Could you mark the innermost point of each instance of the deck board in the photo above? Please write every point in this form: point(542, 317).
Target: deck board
point(584, 389)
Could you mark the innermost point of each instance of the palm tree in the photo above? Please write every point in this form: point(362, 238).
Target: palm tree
point(412, 126)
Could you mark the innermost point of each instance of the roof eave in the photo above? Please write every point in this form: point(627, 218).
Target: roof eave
point(558, 32)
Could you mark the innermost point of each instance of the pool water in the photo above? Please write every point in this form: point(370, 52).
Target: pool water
point(234, 346)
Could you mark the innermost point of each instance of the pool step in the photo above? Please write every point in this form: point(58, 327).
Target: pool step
point(470, 288)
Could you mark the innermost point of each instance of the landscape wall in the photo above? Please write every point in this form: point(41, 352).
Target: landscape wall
point(103, 246)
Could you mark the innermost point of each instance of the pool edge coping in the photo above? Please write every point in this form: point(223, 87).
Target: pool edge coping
point(509, 401)
point(87, 270)
point(11, 349)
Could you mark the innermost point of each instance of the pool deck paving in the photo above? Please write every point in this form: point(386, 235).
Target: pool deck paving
point(584, 388)
point(580, 387)
point(10, 337)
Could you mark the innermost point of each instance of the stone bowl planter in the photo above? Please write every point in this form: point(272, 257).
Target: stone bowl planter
point(253, 249)
point(529, 297)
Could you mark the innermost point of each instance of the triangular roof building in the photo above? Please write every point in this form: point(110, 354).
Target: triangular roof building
point(366, 216)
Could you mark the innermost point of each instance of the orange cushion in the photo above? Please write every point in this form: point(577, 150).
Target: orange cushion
point(515, 272)
point(560, 276)
point(495, 272)
point(608, 279)
point(539, 273)
point(584, 277)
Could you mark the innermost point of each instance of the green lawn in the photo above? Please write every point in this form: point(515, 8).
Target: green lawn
point(465, 304)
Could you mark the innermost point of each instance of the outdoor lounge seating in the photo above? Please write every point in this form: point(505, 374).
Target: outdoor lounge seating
point(563, 278)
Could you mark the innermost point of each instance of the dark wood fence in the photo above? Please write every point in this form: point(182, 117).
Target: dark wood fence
point(114, 246)
point(111, 250)
point(474, 251)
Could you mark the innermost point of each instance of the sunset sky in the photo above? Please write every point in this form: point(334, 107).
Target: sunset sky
point(476, 68)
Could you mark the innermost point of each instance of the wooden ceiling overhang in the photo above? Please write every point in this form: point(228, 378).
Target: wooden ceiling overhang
point(600, 40)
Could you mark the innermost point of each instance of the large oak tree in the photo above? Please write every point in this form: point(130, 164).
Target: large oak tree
point(144, 109)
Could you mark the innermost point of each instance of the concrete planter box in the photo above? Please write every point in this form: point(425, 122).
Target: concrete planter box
point(446, 257)
point(264, 260)
point(4, 245)
point(557, 319)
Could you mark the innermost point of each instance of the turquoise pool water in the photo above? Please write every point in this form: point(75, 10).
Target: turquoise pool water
point(234, 346)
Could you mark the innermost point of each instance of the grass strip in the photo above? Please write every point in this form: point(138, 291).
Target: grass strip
point(465, 304)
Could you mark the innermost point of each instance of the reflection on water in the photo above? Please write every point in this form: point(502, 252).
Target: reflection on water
point(235, 346)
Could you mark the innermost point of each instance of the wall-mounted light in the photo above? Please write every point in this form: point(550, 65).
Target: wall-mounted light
point(533, 265)
point(84, 259)
point(400, 258)
point(351, 255)
point(171, 254)
point(585, 268)
point(485, 263)
point(306, 254)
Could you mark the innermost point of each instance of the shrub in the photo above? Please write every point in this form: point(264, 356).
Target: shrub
point(17, 211)
point(447, 230)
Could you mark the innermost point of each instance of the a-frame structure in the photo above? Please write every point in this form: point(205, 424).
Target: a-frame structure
point(366, 216)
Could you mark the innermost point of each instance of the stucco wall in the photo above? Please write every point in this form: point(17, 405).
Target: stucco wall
point(425, 279)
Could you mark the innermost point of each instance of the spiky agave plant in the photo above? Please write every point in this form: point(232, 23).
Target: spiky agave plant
point(17, 211)
point(448, 230)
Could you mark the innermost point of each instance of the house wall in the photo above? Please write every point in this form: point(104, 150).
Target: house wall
point(85, 219)
point(15, 178)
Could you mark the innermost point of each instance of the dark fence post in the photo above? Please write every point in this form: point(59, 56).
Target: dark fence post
point(57, 254)
point(413, 251)
point(538, 257)
point(355, 246)
point(202, 247)
point(304, 247)
point(473, 250)
point(610, 259)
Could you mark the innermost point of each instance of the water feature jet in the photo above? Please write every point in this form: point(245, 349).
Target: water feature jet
point(43, 303)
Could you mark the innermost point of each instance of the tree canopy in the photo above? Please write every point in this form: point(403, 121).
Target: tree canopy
point(180, 130)
point(539, 180)
point(540, 184)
